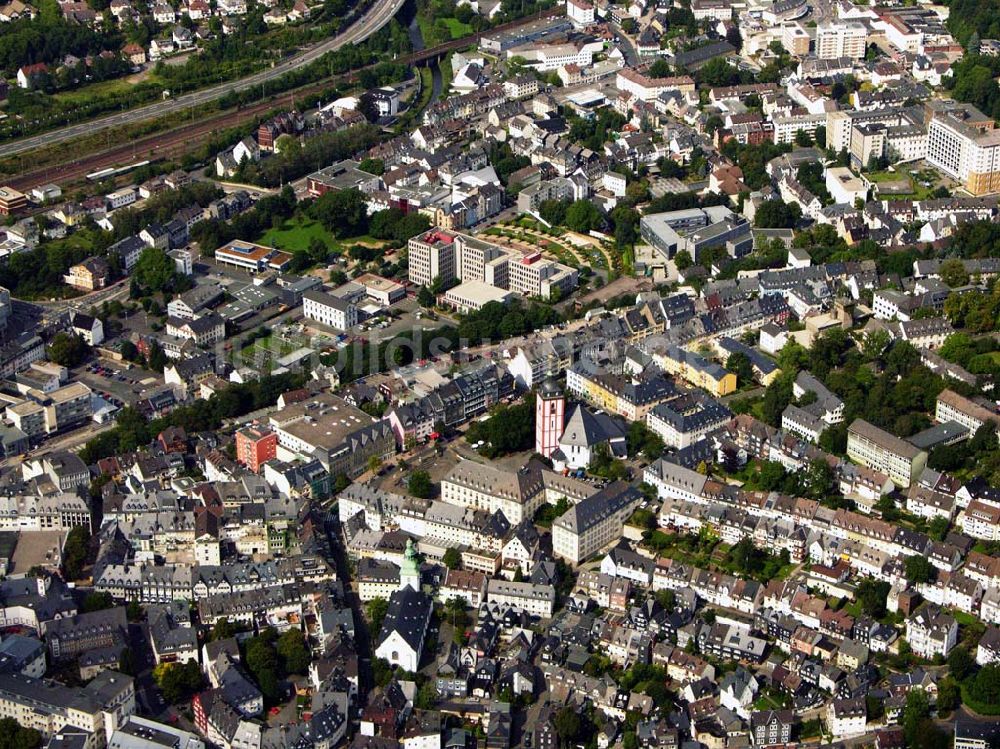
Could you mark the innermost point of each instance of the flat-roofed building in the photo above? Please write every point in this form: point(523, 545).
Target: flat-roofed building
point(253, 258)
point(342, 437)
point(382, 290)
point(885, 452)
point(12, 201)
point(431, 256)
point(344, 175)
point(68, 407)
point(697, 229)
point(474, 295)
point(964, 144)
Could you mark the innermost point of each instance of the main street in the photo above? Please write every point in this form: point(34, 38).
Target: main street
point(377, 16)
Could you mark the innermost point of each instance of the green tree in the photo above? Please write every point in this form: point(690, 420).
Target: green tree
point(776, 214)
point(918, 569)
point(583, 216)
point(381, 672)
point(157, 357)
point(683, 260)
point(949, 695)
point(263, 663)
point(776, 399)
point(938, 527)
point(75, 552)
point(68, 350)
point(294, 652)
point(985, 687)
point(376, 610)
point(659, 69)
point(372, 166)
point(567, 724)
point(425, 298)
point(426, 697)
point(960, 663)
point(344, 213)
point(872, 596)
point(223, 629)
point(739, 364)
point(452, 558)
point(16, 736)
point(97, 602)
point(154, 270)
point(178, 681)
point(875, 344)
point(953, 273)
point(420, 485)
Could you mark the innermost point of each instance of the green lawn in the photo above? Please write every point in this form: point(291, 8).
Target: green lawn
point(86, 94)
point(457, 28)
point(296, 234)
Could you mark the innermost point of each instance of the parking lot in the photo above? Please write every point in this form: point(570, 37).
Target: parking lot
point(116, 383)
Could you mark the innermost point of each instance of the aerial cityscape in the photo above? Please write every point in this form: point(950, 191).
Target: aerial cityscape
point(499, 374)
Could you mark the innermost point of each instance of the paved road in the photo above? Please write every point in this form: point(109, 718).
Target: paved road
point(377, 16)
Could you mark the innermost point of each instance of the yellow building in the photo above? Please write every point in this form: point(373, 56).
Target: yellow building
point(697, 371)
point(631, 398)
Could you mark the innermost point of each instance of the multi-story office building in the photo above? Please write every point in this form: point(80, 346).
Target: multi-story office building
point(885, 452)
point(431, 256)
point(964, 144)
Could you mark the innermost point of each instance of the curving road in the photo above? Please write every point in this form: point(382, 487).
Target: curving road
point(377, 16)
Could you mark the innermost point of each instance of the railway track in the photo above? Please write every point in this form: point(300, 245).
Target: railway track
point(184, 139)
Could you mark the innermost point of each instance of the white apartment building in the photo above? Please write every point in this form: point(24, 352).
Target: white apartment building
point(536, 600)
point(981, 520)
point(846, 718)
point(580, 12)
point(646, 88)
point(447, 256)
point(329, 310)
point(836, 39)
point(545, 57)
point(121, 198)
point(785, 128)
point(931, 632)
point(967, 152)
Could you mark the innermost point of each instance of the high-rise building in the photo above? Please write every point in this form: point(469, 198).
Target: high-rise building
point(835, 39)
point(965, 144)
point(550, 412)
